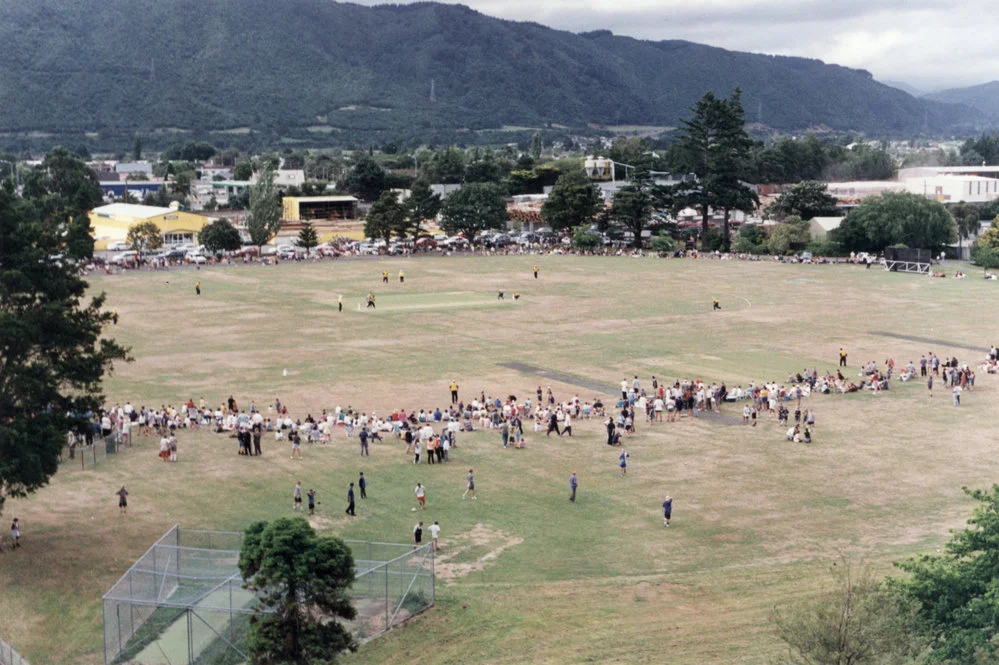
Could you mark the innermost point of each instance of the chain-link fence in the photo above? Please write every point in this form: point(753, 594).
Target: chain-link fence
point(10, 656)
point(183, 601)
point(393, 583)
point(86, 454)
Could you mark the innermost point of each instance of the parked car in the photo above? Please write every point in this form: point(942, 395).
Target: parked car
point(119, 246)
point(194, 256)
point(328, 249)
point(122, 258)
point(497, 241)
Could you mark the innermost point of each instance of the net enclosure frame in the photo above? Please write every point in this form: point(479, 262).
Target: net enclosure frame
point(184, 602)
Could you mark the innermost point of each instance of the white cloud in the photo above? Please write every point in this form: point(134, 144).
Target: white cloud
point(929, 43)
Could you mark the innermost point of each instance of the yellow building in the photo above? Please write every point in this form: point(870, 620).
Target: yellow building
point(304, 208)
point(111, 223)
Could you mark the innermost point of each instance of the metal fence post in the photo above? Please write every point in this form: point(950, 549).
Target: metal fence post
point(131, 607)
point(386, 597)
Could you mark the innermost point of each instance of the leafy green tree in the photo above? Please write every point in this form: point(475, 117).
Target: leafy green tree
point(264, 220)
point(447, 166)
point(791, 235)
point(192, 151)
point(789, 160)
point(144, 236)
point(307, 237)
point(856, 621)
point(220, 236)
point(632, 208)
point(63, 187)
point(572, 202)
point(475, 207)
point(302, 579)
point(896, 218)
point(53, 353)
point(966, 221)
point(181, 184)
point(662, 243)
point(585, 240)
point(751, 239)
point(806, 200)
point(423, 204)
point(956, 591)
point(243, 170)
point(482, 167)
point(387, 216)
point(294, 160)
point(314, 187)
point(367, 180)
point(985, 249)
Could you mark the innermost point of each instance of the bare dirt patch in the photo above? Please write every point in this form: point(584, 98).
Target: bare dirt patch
point(481, 537)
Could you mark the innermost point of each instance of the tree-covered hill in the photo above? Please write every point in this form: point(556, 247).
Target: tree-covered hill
point(138, 65)
point(984, 97)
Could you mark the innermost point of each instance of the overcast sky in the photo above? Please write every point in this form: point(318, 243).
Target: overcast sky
point(931, 44)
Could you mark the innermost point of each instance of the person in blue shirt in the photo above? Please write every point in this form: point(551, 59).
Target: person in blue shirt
point(573, 484)
point(363, 484)
point(622, 461)
point(667, 510)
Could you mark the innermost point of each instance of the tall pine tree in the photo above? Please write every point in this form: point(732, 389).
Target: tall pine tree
point(715, 147)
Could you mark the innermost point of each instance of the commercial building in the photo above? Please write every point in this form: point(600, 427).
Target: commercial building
point(112, 222)
point(305, 208)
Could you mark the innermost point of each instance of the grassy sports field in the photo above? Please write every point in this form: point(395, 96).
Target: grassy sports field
point(523, 573)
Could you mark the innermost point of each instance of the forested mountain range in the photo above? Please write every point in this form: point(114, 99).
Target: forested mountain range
point(316, 68)
point(984, 97)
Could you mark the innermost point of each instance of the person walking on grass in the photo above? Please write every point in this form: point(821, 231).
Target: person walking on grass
point(573, 484)
point(842, 357)
point(435, 532)
point(418, 535)
point(197, 288)
point(15, 534)
point(505, 432)
point(122, 500)
point(957, 395)
point(622, 462)
point(363, 484)
point(385, 277)
point(339, 303)
point(402, 278)
point(553, 425)
point(350, 501)
point(421, 496)
point(470, 486)
point(536, 269)
point(362, 436)
point(454, 391)
point(929, 384)
point(311, 494)
point(296, 504)
point(667, 510)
